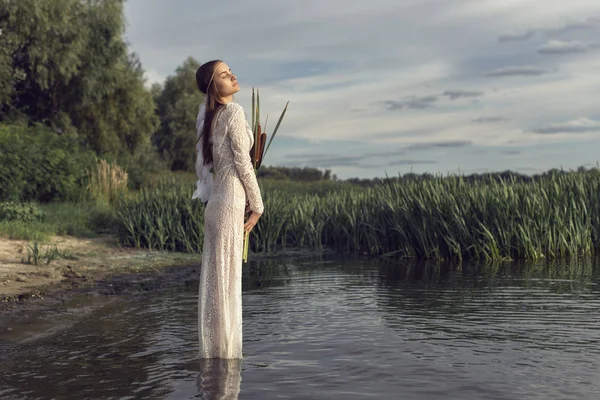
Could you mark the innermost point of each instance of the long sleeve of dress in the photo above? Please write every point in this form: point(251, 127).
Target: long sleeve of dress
point(240, 135)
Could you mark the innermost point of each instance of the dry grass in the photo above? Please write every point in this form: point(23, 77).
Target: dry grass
point(107, 182)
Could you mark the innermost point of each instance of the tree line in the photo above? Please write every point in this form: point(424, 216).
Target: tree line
point(67, 74)
point(65, 65)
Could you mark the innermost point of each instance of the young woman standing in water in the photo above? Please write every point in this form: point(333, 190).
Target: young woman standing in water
point(224, 140)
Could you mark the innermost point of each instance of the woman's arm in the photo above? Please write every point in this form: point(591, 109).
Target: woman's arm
point(240, 145)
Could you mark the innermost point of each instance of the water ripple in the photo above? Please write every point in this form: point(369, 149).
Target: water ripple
point(332, 332)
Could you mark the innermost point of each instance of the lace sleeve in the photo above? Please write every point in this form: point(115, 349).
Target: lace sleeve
point(240, 135)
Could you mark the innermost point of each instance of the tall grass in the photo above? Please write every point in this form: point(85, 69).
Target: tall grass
point(106, 182)
point(438, 218)
point(161, 217)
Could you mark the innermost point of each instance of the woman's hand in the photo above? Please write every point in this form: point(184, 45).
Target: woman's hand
point(251, 222)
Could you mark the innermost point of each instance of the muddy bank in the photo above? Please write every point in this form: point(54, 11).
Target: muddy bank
point(94, 285)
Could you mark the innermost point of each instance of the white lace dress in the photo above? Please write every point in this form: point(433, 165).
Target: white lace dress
point(220, 292)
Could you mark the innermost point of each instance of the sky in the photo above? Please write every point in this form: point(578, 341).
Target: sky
point(387, 87)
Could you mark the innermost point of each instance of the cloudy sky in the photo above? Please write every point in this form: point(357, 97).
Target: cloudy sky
point(391, 86)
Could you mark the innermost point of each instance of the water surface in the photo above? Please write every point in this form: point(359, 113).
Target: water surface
point(337, 330)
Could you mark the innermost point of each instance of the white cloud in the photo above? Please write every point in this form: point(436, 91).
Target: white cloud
point(342, 64)
point(563, 47)
point(581, 125)
point(152, 76)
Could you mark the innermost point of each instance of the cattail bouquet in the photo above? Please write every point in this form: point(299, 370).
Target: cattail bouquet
point(258, 151)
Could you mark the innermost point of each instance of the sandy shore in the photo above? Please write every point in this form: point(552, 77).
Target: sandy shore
point(93, 259)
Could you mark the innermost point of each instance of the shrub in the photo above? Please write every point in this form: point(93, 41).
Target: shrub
point(26, 212)
point(38, 164)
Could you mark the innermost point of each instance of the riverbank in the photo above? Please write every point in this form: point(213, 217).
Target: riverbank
point(36, 300)
point(87, 261)
point(91, 265)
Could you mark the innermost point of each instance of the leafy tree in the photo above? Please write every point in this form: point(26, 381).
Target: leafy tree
point(177, 105)
point(64, 63)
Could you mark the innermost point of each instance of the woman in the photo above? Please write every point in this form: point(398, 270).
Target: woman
point(223, 145)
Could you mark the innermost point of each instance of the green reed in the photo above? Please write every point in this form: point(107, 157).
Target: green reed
point(162, 217)
point(557, 215)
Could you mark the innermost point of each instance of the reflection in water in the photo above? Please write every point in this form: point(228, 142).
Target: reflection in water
point(266, 274)
point(219, 379)
point(318, 329)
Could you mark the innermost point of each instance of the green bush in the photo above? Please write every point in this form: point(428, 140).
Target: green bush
point(70, 218)
point(38, 164)
point(142, 165)
point(17, 230)
point(26, 212)
point(84, 219)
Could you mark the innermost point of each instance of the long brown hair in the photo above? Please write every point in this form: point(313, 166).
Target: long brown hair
point(205, 81)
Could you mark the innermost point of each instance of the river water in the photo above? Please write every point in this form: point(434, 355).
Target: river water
point(331, 329)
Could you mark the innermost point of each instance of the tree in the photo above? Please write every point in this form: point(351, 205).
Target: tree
point(177, 106)
point(64, 63)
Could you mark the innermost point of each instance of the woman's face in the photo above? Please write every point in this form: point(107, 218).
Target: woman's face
point(225, 82)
